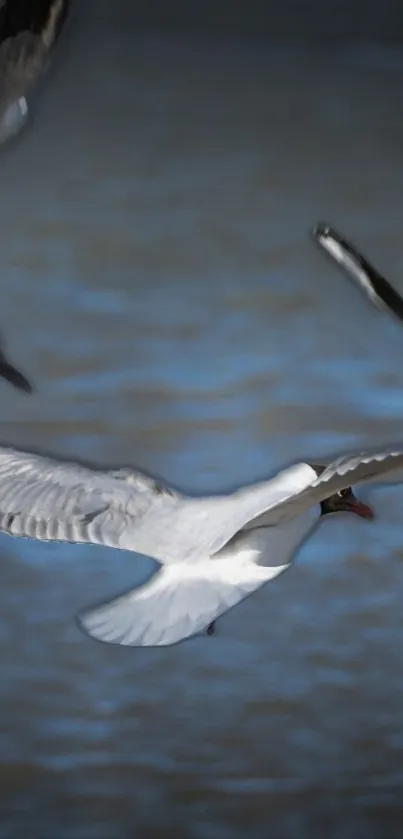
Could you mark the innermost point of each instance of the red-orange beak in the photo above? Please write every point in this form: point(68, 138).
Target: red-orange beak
point(353, 505)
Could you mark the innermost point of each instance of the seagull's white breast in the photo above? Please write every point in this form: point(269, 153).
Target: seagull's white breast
point(270, 546)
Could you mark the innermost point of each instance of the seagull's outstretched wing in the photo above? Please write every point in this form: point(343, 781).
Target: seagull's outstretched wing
point(384, 466)
point(179, 601)
point(380, 292)
point(51, 500)
point(46, 499)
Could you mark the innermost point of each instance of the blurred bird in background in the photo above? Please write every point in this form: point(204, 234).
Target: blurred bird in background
point(29, 30)
point(11, 374)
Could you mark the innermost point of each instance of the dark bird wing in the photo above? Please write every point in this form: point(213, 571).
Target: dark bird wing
point(12, 375)
point(378, 290)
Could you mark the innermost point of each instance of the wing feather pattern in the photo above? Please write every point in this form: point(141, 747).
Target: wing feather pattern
point(385, 466)
point(51, 500)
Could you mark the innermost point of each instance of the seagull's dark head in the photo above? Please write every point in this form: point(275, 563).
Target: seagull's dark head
point(346, 502)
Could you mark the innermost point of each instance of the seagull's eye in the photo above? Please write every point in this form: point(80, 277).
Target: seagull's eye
point(343, 493)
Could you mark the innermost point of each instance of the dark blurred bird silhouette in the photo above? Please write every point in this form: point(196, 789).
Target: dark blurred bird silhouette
point(12, 375)
point(29, 30)
point(359, 269)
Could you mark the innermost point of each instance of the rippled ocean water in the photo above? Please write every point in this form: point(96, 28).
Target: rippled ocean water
point(160, 288)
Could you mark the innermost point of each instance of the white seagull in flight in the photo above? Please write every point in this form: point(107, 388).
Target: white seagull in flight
point(214, 551)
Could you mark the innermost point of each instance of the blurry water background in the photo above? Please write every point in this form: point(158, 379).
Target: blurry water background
point(160, 288)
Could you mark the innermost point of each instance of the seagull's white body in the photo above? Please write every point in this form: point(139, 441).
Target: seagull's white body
point(183, 598)
point(214, 551)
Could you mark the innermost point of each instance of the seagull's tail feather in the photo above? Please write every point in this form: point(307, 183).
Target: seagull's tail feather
point(180, 600)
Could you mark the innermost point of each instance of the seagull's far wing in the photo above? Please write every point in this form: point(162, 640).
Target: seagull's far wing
point(369, 466)
point(378, 466)
point(51, 500)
